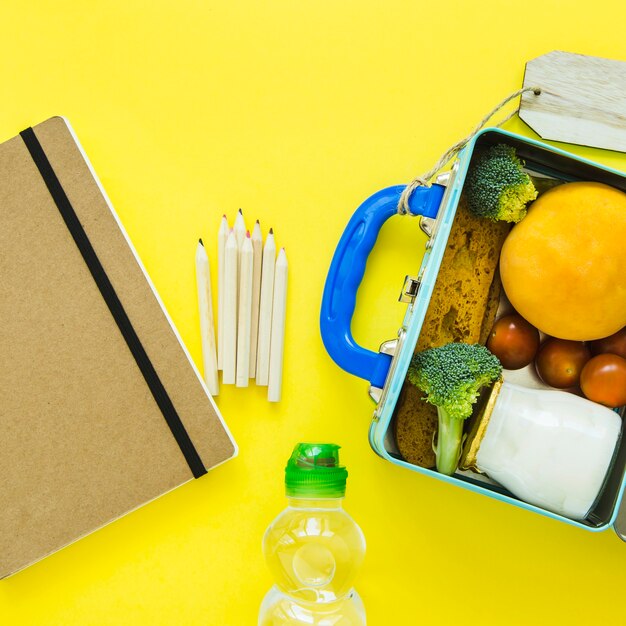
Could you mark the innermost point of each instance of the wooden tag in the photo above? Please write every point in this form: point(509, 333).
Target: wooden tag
point(582, 100)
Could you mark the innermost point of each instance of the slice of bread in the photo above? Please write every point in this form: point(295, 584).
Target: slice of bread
point(462, 308)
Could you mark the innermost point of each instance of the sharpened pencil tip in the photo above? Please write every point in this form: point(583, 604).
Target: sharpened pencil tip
point(240, 211)
point(200, 242)
point(248, 234)
point(258, 222)
point(271, 231)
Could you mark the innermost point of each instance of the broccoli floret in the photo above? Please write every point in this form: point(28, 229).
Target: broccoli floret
point(496, 187)
point(451, 376)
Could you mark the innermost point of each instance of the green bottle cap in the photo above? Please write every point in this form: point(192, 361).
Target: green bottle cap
point(313, 471)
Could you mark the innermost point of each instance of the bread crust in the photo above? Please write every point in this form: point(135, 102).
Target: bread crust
point(462, 308)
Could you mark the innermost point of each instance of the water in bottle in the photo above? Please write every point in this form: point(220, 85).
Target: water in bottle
point(314, 548)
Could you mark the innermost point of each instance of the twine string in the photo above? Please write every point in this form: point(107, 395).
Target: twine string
point(425, 180)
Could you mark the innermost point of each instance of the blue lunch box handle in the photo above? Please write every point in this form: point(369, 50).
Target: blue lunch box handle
point(346, 272)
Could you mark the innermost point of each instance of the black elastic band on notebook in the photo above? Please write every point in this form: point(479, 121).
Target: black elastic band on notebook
point(113, 302)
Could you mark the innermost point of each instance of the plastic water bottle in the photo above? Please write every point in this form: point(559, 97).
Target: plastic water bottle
point(314, 548)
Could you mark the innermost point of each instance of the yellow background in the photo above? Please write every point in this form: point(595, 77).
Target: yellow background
point(295, 111)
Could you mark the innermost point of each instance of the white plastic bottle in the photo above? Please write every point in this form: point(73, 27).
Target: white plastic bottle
point(314, 548)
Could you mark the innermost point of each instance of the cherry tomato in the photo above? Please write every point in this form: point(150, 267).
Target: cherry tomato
point(514, 341)
point(615, 344)
point(603, 380)
point(560, 361)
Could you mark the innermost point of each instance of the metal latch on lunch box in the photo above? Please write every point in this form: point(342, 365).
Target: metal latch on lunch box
point(410, 288)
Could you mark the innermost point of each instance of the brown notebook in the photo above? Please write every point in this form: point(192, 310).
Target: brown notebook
point(101, 407)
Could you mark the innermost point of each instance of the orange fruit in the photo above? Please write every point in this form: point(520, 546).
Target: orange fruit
point(563, 267)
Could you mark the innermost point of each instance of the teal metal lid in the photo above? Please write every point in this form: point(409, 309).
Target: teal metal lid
point(313, 471)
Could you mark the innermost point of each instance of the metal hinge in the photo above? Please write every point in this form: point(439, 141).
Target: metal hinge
point(376, 393)
point(443, 178)
point(387, 347)
point(428, 224)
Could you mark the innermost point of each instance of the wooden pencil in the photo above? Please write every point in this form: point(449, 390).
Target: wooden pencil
point(222, 236)
point(231, 257)
point(257, 246)
point(240, 234)
point(246, 260)
point(277, 343)
point(265, 310)
point(207, 328)
point(240, 229)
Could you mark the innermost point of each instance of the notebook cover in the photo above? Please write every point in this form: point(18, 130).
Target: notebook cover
point(84, 437)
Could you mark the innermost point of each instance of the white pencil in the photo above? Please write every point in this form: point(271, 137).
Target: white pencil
point(240, 229)
point(265, 310)
point(222, 236)
point(207, 328)
point(240, 234)
point(257, 246)
point(231, 257)
point(277, 343)
point(246, 259)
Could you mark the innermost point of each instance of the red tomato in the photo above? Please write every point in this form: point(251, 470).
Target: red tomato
point(560, 361)
point(514, 341)
point(615, 344)
point(603, 380)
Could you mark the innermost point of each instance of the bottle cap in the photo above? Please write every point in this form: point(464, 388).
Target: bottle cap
point(313, 471)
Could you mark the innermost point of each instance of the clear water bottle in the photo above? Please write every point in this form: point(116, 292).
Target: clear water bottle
point(314, 548)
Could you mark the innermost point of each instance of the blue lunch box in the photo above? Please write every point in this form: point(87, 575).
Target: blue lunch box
point(386, 368)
